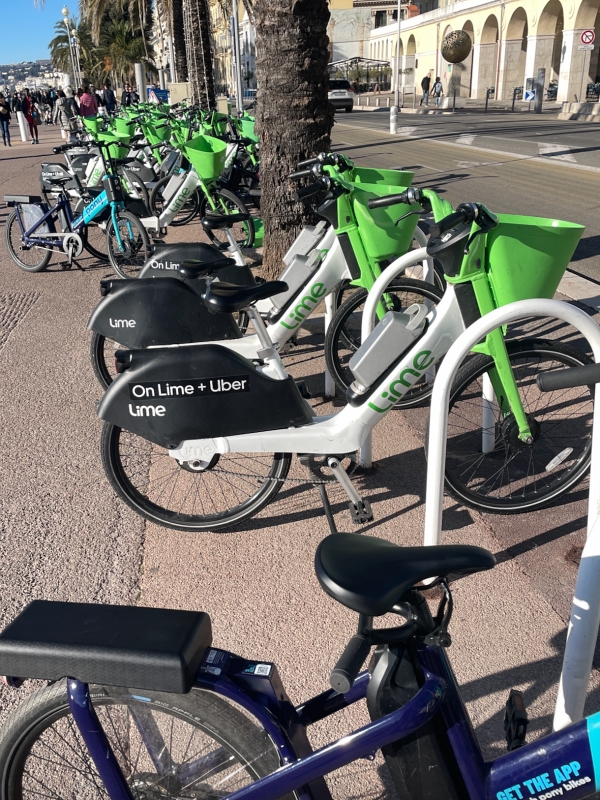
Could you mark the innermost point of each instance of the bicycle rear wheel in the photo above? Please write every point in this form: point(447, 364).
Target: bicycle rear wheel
point(515, 477)
point(193, 496)
point(102, 356)
point(188, 210)
point(32, 259)
point(191, 746)
point(136, 249)
point(343, 334)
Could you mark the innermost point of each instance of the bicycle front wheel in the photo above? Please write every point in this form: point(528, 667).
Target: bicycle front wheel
point(168, 746)
point(31, 259)
point(194, 495)
point(102, 356)
point(228, 203)
point(128, 257)
point(188, 210)
point(343, 334)
point(514, 477)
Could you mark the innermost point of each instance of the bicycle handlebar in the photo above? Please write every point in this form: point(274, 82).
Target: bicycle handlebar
point(388, 200)
point(303, 173)
point(62, 148)
point(309, 162)
point(349, 663)
point(466, 212)
point(568, 378)
point(308, 191)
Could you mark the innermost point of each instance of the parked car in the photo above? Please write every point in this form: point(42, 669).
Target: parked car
point(341, 95)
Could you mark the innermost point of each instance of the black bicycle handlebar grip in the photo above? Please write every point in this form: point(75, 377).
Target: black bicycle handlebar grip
point(303, 173)
point(307, 191)
point(449, 222)
point(388, 200)
point(568, 378)
point(308, 162)
point(349, 664)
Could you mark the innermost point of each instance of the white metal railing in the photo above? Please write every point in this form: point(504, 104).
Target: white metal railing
point(585, 610)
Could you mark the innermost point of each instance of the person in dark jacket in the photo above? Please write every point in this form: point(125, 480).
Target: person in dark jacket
point(5, 120)
point(110, 101)
point(425, 85)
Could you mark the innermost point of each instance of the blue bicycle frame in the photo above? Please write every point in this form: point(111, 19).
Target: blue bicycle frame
point(566, 762)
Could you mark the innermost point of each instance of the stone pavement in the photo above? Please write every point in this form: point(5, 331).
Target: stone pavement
point(64, 535)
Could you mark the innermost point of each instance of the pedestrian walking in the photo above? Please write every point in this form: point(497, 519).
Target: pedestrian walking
point(31, 116)
point(88, 105)
point(126, 96)
point(66, 113)
point(425, 84)
point(5, 120)
point(110, 101)
point(438, 90)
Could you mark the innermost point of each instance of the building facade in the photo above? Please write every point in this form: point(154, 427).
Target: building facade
point(511, 42)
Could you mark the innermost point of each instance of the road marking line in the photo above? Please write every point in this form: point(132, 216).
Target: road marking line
point(559, 151)
point(465, 138)
point(406, 130)
point(514, 156)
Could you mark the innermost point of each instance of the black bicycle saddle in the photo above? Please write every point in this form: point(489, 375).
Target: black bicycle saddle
point(370, 575)
point(212, 221)
point(208, 263)
point(227, 298)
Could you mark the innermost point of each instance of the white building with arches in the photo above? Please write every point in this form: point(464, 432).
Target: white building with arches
point(511, 41)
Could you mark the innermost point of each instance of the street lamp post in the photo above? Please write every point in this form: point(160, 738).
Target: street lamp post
point(72, 51)
point(396, 107)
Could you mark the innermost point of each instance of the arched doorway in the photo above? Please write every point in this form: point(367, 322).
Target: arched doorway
point(485, 58)
point(515, 53)
point(444, 69)
point(411, 51)
point(466, 68)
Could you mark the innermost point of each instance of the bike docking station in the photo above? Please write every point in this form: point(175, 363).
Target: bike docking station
point(585, 611)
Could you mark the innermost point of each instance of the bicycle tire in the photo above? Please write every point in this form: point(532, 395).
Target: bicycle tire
point(9, 230)
point(128, 264)
point(100, 363)
point(93, 251)
point(118, 445)
point(226, 201)
point(464, 445)
point(41, 748)
point(343, 336)
point(188, 211)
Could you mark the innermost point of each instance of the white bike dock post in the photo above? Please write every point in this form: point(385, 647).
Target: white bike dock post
point(585, 611)
point(22, 125)
point(329, 382)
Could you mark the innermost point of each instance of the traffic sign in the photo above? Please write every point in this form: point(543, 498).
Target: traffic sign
point(529, 95)
point(588, 37)
point(586, 47)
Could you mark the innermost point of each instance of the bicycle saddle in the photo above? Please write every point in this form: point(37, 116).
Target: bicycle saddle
point(149, 648)
point(192, 269)
point(370, 575)
point(213, 221)
point(227, 298)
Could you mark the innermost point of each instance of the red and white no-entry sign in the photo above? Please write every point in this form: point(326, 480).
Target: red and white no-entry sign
point(588, 37)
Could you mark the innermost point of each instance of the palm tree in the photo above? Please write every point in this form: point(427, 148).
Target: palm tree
point(138, 12)
point(121, 50)
point(178, 40)
point(293, 116)
point(91, 58)
point(198, 47)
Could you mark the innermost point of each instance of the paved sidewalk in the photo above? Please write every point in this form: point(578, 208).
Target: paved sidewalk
point(64, 535)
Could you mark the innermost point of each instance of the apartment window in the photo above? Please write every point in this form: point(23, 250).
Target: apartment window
point(380, 19)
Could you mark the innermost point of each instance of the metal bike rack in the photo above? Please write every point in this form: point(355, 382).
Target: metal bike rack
point(585, 611)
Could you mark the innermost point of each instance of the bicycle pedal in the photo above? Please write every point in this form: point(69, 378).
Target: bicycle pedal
point(515, 720)
point(65, 266)
point(360, 513)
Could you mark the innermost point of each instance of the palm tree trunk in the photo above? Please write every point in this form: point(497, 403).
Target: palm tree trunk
point(196, 22)
point(179, 42)
point(293, 117)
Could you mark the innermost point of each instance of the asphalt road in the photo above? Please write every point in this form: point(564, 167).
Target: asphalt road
point(509, 181)
point(64, 535)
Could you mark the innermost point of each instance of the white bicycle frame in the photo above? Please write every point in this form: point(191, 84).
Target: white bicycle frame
point(346, 431)
point(585, 610)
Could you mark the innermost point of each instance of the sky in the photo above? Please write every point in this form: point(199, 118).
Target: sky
point(26, 30)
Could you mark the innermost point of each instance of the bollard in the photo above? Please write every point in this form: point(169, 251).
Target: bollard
point(487, 97)
point(388, 102)
point(403, 97)
point(514, 98)
point(378, 102)
point(454, 101)
point(22, 125)
point(368, 101)
point(394, 119)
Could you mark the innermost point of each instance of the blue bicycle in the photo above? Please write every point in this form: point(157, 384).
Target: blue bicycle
point(31, 228)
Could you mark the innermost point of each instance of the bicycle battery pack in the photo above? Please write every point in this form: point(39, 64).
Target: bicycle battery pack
point(140, 313)
point(387, 342)
point(301, 261)
point(167, 258)
point(169, 395)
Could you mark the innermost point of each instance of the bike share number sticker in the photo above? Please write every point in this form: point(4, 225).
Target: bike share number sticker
point(190, 388)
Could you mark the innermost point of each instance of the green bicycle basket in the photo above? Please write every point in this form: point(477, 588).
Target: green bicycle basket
point(114, 150)
point(389, 177)
point(156, 135)
point(92, 124)
point(380, 236)
point(247, 128)
point(207, 156)
point(527, 256)
point(124, 126)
